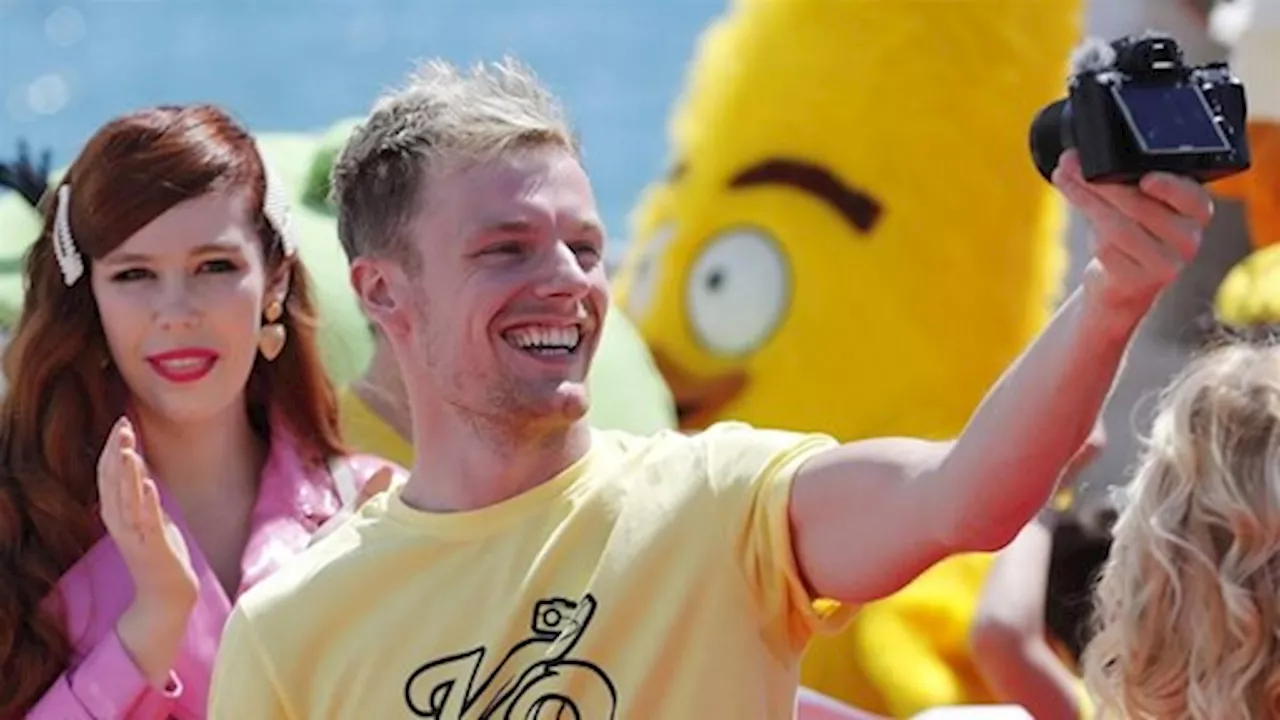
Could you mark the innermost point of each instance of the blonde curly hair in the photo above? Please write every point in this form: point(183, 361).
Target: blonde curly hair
point(1187, 608)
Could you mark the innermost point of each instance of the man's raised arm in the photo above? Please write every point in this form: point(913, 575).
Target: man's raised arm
point(869, 516)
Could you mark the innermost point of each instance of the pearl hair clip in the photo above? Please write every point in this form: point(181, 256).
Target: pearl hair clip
point(275, 206)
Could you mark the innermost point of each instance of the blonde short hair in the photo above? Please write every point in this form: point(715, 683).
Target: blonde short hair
point(1188, 603)
point(442, 115)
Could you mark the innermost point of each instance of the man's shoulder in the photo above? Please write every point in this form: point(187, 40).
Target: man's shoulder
point(724, 449)
point(317, 572)
point(665, 446)
point(686, 440)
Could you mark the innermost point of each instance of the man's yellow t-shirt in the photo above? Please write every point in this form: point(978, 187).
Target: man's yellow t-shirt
point(654, 578)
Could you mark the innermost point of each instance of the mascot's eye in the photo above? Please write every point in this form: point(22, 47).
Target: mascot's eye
point(738, 291)
point(644, 276)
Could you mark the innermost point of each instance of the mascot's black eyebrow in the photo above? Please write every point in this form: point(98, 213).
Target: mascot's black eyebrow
point(856, 206)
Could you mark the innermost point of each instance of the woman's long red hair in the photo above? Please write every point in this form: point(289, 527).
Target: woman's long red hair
point(63, 396)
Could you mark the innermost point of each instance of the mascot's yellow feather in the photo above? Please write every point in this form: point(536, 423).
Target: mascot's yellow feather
point(853, 239)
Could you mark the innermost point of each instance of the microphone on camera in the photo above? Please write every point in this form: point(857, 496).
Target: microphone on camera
point(1092, 55)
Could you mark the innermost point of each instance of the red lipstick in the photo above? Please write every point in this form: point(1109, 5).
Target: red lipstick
point(184, 365)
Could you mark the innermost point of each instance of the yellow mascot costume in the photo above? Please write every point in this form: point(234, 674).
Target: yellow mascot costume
point(853, 238)
point(1250, 294)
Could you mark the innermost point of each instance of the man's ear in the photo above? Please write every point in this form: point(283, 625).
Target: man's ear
point(373, 282)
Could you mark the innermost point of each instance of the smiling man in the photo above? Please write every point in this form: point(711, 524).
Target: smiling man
point(532, 565)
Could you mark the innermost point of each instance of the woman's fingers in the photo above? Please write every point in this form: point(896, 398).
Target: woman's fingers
point(150, 515)
point(132, 500)
point(109, 475)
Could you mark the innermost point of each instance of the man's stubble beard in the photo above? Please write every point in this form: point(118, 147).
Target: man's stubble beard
point(501, 411)
point(508, 409)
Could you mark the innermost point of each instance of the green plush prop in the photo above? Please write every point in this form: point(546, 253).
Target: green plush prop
point(627, 391)
point(19, 224)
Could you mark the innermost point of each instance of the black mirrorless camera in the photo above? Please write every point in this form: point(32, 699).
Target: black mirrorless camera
point(1134, 107)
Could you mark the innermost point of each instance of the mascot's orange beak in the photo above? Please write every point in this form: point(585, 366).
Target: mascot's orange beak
point(698, 399)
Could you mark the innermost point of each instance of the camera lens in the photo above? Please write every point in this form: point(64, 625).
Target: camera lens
point(1050, 136)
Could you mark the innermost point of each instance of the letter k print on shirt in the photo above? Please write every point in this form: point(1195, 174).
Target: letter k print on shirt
point(537, 678)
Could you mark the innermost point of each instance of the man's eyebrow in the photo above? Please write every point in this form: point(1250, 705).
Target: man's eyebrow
point(857, 207)
point(517, 226)
point(513, 226)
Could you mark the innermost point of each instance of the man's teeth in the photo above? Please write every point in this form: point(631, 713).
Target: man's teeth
point(549, 340)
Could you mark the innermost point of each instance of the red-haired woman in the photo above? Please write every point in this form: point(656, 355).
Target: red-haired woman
point(170, 436)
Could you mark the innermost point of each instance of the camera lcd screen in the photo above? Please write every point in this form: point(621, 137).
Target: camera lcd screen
point(1170, 119)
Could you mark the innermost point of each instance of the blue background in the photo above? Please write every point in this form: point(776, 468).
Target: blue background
point(67, 67)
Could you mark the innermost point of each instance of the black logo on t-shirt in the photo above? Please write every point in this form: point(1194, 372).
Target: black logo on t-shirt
point(537, 678)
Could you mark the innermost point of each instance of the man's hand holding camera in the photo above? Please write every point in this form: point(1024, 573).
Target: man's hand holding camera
point(1143, 236)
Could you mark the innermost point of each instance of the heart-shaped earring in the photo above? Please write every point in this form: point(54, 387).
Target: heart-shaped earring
point(272, 335)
